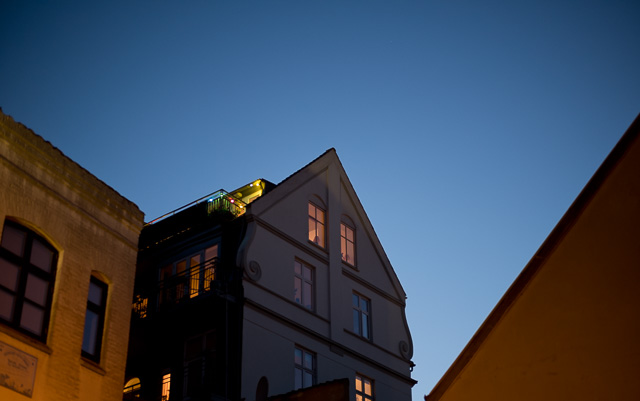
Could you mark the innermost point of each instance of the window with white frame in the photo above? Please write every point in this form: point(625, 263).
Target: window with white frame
point(347, 244)
point(305, 368)
point(316, 225)
point(361, 315)
point(303, 284)
point(94, 319)
point(27, 277)
point(364, 388)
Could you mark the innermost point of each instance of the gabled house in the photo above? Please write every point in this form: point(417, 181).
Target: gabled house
point(265, 290)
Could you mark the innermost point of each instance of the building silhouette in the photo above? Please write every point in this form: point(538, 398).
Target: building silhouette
point(266, 290)
point(568, 327)
point(68, 250)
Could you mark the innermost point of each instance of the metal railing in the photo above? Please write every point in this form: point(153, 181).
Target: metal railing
point(188, 284)
point(220, 200)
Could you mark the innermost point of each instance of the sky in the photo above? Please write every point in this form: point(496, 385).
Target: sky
point(467, 128)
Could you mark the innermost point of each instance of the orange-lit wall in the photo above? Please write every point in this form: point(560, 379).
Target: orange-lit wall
point(94, 230)
point(569, 328)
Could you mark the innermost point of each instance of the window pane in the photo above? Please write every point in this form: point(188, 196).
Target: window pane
point(306, 295)
point(307, 273)
point(297, 268)
point(364, 305)
point(319, 215)
point(358, 384)
point(90, 332)
point(321, 235)
point(9, 274)
point(298, 357)
point(342, 228)
point(312, 230)
point(343, 248)
point(308, 361)
point(13, 240)
point(32, 318)
point(297, 290)
point(312, 210)
point(358, 397)
point(307, 380)
point(355, 300)
point(181, 266)
point(356, 321)
point(349, 234)
point(211, 252)
point(41, 256)
point(6, 305)
point(367, 387)
point(36, 290)
point(95, 294)
point(297, 378)
point(365, 326)
point(350, 252)
point(195, 261)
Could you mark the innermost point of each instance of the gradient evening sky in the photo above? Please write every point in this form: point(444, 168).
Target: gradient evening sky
point(467, 128)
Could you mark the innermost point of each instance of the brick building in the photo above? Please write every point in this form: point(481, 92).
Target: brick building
point(67, 261)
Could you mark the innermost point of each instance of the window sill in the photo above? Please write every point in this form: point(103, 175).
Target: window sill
point(352, 267)
point(28, 340)
point(91, 365)
point(369, 340)
point(323, 249)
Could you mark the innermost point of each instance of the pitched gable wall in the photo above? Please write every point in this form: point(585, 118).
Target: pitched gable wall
point(277, 236)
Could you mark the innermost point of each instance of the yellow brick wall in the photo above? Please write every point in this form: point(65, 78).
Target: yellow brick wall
point(95, 230)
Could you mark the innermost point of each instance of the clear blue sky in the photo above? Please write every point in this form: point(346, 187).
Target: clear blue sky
point(467, 128)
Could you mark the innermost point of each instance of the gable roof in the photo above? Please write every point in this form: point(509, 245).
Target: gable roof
point(566, 223)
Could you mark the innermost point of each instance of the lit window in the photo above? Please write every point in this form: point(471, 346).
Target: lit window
point(27, 276)
point(305, 370)
point(364, 388)
point(140, 305)
point(361, 313)
point(303, 285)
point(132, 389)
point(188, 277)
point(347, 244)
point(94, 320)
point(166, 386)
point(316, 225)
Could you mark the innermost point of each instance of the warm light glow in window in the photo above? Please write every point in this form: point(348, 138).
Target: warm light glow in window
point(316, 225)
point(364, 389)
point(166, 386)
point(347, 244)
point(132, 386)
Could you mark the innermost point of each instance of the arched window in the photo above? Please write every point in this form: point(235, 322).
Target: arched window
point(27, 277)
point(132, 389)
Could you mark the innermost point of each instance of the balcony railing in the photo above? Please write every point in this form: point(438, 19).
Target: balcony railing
point(190, 283)
point(220, 200)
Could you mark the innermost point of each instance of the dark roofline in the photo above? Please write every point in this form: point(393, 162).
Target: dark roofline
point(539, 258)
